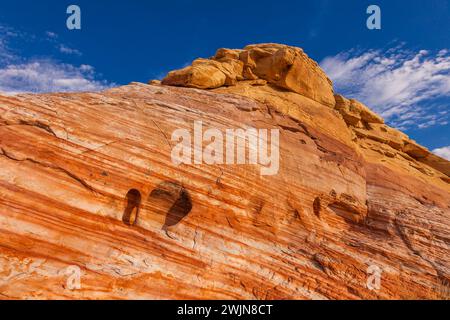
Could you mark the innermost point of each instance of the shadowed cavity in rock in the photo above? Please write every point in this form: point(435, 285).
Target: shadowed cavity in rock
point(133, 202)
point(170, 199)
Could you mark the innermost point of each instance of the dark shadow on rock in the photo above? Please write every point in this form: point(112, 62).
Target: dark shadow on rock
point(171, 199)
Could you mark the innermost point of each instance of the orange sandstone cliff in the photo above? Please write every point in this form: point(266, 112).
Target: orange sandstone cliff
point(87, 182)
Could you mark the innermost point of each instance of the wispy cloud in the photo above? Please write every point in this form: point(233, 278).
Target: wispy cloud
point(408, 88)
point(65, 49)
point(443, 152)
point(19, 73)
point(51, 34)
point(6, 54)
point(48, 76)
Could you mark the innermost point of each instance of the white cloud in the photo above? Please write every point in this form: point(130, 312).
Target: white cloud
point(443, 152)
point(405, 87)
point(48, 76)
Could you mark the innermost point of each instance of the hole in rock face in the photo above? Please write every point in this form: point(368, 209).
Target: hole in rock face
point(133, 202)
point(171, 199)
point(317, 206)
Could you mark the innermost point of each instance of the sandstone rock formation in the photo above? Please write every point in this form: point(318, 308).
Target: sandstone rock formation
point(87, 181)
point(281, 65)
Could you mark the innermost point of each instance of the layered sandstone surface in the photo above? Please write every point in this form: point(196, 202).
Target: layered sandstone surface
point(351, 194)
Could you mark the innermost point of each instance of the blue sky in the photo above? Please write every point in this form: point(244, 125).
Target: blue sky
point(402, 71)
